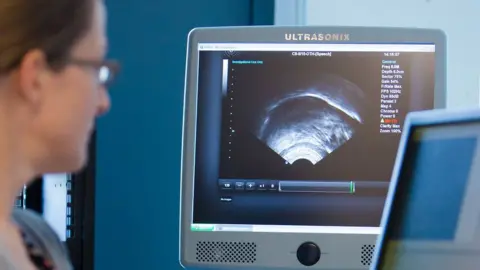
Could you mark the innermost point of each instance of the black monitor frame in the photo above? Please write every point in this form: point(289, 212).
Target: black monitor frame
point(84, 199)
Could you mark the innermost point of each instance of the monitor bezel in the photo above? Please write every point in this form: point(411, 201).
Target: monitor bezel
point(82, 244)
point(284, 243)
point(414, 120)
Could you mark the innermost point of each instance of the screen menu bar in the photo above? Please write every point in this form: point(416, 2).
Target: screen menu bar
point(282, 229)
point(316, 47)
point(259, 185)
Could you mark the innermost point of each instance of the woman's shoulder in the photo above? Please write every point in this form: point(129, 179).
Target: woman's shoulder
point(34, 225)
point(26, 215)
point(29, 218)
point(41, 238)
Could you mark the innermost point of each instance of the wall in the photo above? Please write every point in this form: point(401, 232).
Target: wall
point(138, 147)
point(459, 20)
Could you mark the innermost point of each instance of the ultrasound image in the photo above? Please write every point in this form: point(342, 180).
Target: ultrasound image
point(309, 124)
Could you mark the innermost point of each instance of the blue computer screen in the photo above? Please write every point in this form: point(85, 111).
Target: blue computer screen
point(435, 214)
point(437, 170)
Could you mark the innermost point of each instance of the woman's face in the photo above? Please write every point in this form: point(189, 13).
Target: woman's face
point(69, 101)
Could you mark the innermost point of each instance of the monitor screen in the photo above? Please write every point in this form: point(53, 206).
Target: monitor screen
point(302, 137)
point(57, 201)
point(50, 196)
point(434, 218)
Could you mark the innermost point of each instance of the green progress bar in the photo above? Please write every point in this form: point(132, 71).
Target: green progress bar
point(202, 228)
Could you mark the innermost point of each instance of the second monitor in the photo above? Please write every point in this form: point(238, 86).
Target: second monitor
point(290, 139)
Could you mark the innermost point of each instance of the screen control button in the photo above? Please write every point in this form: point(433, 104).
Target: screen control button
point(226, 185)
point(239, 185)
point(273, 186)
point(250, 186)
point(262, 186)
point(308, 253)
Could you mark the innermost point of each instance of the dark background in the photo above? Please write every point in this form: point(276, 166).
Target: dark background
point(255, 86)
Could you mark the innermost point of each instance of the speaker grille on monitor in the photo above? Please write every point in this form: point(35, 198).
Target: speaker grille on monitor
point(367, 254)
point(226, 252)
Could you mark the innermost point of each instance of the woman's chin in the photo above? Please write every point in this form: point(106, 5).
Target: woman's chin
point(68, 163)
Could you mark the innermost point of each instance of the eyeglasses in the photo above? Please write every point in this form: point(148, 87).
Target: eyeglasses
point(106, 70)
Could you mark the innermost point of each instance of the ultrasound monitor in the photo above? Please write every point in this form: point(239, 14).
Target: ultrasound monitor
point(432, 213)
point(290, 137)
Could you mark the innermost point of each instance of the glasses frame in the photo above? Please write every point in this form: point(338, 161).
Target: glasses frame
point(113, 67)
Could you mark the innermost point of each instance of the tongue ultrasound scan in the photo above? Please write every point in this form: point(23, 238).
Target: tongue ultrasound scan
point(303, 138)
point(311, 123)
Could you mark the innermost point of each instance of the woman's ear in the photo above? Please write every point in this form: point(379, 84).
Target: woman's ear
point(33, 74)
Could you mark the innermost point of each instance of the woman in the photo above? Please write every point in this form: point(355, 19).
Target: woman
point(53, 80)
